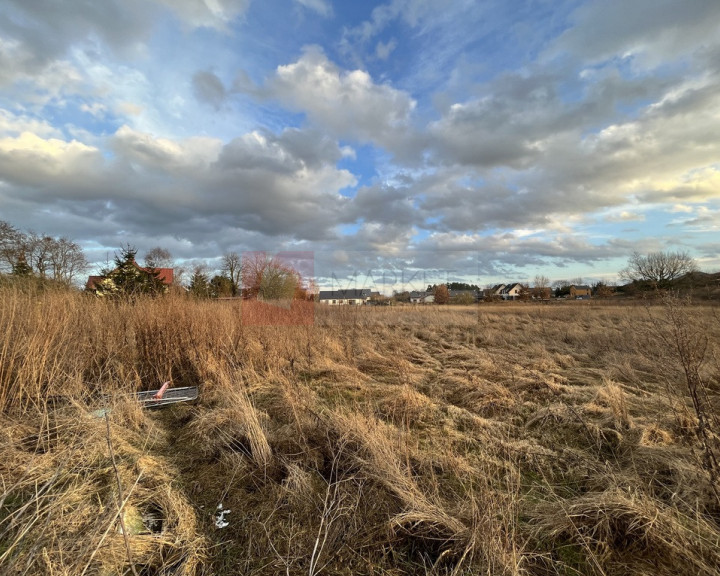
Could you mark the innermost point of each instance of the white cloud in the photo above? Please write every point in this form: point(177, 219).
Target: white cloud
point(13, 125)
point(680, 208)
point(384, 49)
point(96, 109)
point(278, 186)
point(538, 157)
point(37, 85)
point(651, 32)
point(51, 50)
point(125, 108)
point(32, 160)
point(506, 152)
point(510, 251)
point(322, 7)
point(412, 12)
point(626, 216)
point(13, 60)
point(165, 154)
point(346, 104)
point(207, 13)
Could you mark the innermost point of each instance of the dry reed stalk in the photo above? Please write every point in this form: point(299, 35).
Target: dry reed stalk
point(234, 414)
point(120, 497)
point(688, 339)
point(382, 461)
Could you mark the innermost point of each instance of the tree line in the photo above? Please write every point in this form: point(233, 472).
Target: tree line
point(255, 275)
point(260, 275)
point(25, 254)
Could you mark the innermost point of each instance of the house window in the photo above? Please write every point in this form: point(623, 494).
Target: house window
point(334, 302)
point(351, 301)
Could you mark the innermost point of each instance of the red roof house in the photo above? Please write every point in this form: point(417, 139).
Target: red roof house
point(165, 275)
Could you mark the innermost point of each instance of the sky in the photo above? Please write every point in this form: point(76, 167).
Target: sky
point(399, 143)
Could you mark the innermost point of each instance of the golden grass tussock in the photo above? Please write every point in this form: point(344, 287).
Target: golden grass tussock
point(508, 438)
point(407, 406)
point(610, 395)
point(624, 530)
point(653, 435)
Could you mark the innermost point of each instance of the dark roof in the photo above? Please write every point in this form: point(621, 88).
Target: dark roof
point(509, 287)
point(416, 294)
point(580, 287)
point(348, 294)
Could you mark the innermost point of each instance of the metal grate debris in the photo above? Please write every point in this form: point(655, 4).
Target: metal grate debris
point(149, 398)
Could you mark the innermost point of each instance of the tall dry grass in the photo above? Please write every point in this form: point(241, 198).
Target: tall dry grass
point(496, 439)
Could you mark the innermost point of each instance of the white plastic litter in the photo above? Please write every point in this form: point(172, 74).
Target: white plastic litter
point(220, 517)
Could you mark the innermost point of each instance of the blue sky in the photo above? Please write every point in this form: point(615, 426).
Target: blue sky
point(477, 140)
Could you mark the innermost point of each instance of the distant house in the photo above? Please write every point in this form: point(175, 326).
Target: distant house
point(580, 292)
point(422, 297)
point(165, 275)
point(416, 297)
point(93, 283)
point(511, 291)
point(493, 293)
point(348, 297)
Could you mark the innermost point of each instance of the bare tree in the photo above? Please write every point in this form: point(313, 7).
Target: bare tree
point(541, 287)
point(11, 242)
point(232, 268)
point(37, 250)
point(254, 265)
point(658, 268)
point(525, 293)
point(312, 290)
point(58, 259)
point(67, 260)
point(603, 290)
point(270, 278)
point(159, 258)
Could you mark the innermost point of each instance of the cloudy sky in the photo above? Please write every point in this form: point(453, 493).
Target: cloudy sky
point(481, 140)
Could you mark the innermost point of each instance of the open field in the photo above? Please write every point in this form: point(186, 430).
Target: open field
point(495, 439)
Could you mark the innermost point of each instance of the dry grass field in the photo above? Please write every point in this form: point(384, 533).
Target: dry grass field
point(496, 439)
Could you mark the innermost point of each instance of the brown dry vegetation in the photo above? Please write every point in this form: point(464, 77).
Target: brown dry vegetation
point(499, 439)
